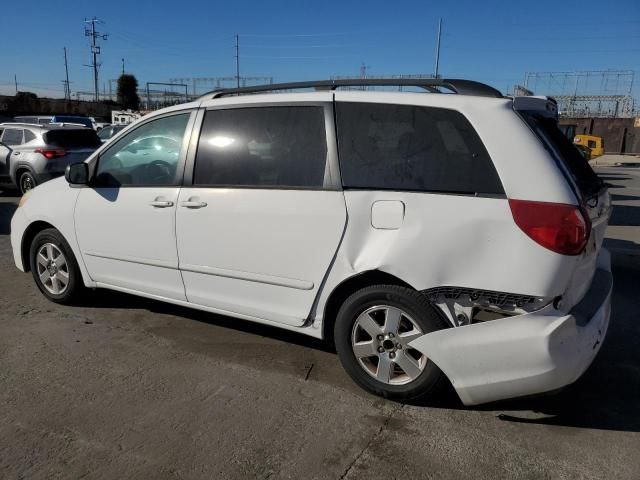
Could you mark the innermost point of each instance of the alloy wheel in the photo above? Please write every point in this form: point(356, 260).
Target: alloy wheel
point(26, 183)
point(53, 270)
point(380, 342)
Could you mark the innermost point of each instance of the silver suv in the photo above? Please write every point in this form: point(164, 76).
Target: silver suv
point(31, 154)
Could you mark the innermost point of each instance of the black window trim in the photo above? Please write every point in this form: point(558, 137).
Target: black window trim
point(180, 167)
point(332, 182)
point(499, 195)
point(428, 192)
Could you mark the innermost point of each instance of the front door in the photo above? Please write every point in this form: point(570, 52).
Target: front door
point(259, 226)
point(125, 220)
point(10, 137)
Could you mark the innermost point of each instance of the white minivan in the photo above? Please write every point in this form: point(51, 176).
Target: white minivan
point(428, 235)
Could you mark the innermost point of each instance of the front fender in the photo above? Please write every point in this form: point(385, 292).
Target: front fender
point(54, 204)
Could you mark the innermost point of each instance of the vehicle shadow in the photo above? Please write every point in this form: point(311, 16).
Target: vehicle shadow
point(117, 300)
point(615, 197)
point(614, 177)
point(625, 215)
point(8, 206)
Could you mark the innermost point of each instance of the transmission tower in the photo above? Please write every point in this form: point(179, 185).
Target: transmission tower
point(90, 31)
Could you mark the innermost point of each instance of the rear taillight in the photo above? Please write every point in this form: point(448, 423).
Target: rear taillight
point(51, 152)
point(559, 227)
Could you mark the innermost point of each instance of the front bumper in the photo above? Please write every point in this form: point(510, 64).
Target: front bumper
point(527, 354)
point(19, 224)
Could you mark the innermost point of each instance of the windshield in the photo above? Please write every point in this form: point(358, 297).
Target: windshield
point(564, 151)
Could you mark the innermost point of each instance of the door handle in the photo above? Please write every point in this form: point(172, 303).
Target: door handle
point(161, 203)
point(193, 204)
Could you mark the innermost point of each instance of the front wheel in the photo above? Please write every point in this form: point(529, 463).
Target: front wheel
point(373, 330)
point(54, 267)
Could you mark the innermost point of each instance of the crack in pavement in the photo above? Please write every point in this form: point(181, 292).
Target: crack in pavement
point(370, 442)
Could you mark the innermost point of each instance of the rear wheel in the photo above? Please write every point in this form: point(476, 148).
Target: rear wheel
point(372, 334)
point(54, 267)
point(26, 182)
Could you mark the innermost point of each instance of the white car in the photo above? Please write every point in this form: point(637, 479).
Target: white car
point(430, 236)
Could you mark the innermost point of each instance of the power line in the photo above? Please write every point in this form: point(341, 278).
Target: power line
point(297, 46)
point(327, 34)
point(95, 50)
point(298, 57)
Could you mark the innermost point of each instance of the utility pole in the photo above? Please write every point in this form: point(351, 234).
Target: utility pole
point(95, 50)
point(123, 66)
point(237, 60)
point(15, 79)
point(67, 88)
point(363, 73)
point(438, 47)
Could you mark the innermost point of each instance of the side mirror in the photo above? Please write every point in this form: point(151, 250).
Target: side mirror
point(77, 174)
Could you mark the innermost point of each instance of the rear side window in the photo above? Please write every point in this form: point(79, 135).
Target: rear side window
point(262, 147)
point(404, 147)
point(29, 136)
point(12, 136)
point(67, 138)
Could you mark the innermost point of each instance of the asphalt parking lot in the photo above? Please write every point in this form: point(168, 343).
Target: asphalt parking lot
point(123, 387)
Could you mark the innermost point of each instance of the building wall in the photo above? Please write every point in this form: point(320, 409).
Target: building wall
point(620, 135)
point(29, 104)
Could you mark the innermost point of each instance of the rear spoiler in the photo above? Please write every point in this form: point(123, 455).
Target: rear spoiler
point(544, 106)
point(67, 124)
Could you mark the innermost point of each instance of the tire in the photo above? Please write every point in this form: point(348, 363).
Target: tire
point(397, 372)
point(26, 182)
point(49, 269)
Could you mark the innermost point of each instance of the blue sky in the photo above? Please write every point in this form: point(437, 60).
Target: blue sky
point(494, 42)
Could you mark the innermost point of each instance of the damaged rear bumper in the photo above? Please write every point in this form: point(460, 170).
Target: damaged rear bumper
point(526, 354)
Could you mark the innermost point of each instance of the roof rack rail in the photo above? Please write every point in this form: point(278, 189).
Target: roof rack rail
point(433, 85)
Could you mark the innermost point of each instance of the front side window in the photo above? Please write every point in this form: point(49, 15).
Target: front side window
point(12, 136)
point(410, 148)
point(149, 155)
point(262, 147)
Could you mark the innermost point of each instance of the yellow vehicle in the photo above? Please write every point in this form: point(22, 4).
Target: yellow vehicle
point(593, 143)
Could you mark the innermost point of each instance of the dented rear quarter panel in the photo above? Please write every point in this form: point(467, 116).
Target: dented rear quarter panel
point(446, 240)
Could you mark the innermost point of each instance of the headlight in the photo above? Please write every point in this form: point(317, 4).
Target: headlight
point(24, 198)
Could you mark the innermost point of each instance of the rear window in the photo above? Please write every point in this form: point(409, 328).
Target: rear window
point(404, 147)
point(65, 138)
point(71, 119)
point(565, 152)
